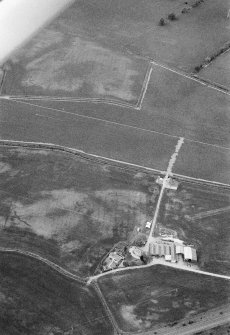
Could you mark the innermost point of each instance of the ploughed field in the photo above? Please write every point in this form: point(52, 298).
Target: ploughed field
point(159, 296)
point(69, 209)
point(36, 300)
point(200, 216)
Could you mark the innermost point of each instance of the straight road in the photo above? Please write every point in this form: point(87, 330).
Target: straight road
point(198, 326)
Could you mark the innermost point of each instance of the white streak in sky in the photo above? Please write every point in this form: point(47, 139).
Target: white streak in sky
point(20, 19)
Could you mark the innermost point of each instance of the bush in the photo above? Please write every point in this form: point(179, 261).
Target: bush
point(172, 17)
point(162, 22)
point(185, 10)
point(198, 68)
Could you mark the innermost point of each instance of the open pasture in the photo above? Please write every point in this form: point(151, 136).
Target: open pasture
point(158, 296)
point(200, 216)
point(67, 209)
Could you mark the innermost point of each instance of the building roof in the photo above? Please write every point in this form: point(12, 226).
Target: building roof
point(135, 252)
point(172, 239)
point(148, 224)
point(117, 258)
point(179, 249)
point(190, 254)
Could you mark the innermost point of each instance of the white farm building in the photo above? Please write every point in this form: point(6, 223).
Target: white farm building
point(190, 254)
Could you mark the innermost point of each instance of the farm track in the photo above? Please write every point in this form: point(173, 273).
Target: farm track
point(193, 77)
point(69, 99)
point(52, 265)
point(144, 86)
point(207, 214)
point(207, 322)
point(116, 328)
point(62, 111)
point(122, 165)
point(171, 162)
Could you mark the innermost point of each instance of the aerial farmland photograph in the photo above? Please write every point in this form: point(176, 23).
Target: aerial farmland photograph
point(115, 167)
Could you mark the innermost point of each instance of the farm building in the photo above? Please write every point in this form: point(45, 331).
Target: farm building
point(169, 183)
point(173, 254)
point(148, 225)
point(135, 252)
point(112, 261)
point(172, 239)
point(168, 258)
point(163, 249)
point(190, 254)
point(179, 249)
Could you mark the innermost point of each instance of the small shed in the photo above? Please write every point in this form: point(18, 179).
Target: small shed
point(168, 258)
point(148, 225)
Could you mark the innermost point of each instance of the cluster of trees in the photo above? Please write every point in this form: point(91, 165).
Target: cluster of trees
point(197, 3)
point(173, 17)
point(212, 57)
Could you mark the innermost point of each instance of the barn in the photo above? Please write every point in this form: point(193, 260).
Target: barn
point(190, 254)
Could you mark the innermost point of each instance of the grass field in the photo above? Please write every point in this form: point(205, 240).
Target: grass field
point(184, 107)
point(159, 296)
point(31, 123)
point(67, 209)
point(36, 300)
point(63, 60)
point(90, 49)
point(205, 162)
point(219, 70)
point(210, 234)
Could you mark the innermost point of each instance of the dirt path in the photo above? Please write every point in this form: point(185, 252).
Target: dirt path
point(171, 163)
point(51, 264)
point(193, 78)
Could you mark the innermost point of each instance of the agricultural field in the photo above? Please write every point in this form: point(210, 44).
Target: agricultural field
point(96, 48)
point(41, 301)
point(26, 122)
point(161, 296)
point(200, 216)
point(203, 161)
point(68, 209)
point(184, 107)
point(218, 71)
